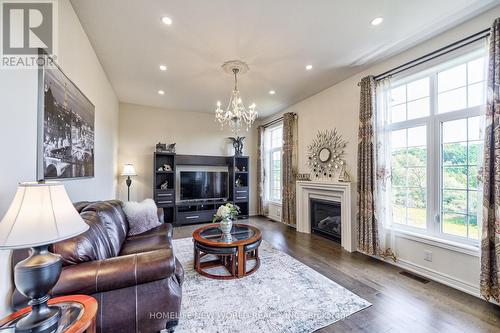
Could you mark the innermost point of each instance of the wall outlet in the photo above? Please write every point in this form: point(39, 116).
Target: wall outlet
point(428, 255)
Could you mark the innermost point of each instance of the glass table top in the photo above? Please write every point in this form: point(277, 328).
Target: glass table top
point(238, 232)
point(70, 313)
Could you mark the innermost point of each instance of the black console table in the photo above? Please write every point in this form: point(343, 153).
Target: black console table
point(199, 211)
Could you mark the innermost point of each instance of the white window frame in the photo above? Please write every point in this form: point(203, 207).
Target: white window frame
point(269, 150)
point(433, 123)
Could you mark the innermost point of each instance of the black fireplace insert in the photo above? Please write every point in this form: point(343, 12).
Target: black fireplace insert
point(326, 218)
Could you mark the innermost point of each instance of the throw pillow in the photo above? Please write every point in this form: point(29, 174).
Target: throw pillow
point(141, 216)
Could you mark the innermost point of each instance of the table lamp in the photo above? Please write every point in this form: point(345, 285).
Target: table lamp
point(128, 171)
point(40, 214)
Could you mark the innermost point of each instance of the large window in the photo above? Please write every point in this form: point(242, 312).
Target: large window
point(436, 128)
point(274, 143)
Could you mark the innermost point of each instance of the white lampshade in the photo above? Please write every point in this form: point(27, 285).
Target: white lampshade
point(40, 214)
point(129, 170)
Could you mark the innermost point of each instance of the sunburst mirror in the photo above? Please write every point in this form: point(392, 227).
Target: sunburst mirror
point(326, 154)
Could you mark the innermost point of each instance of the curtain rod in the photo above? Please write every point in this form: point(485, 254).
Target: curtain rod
point(272, 122)
point(437, 53)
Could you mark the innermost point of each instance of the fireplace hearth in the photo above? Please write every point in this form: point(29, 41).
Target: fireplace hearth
point(326, 218)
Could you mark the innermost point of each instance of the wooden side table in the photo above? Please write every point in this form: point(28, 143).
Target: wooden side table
point(78, 314)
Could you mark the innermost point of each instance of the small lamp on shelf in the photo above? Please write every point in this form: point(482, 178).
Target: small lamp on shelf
point(128, 171)
point(40, 214)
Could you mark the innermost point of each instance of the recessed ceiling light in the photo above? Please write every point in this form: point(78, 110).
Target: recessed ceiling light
point(161, 92)
point(377, 21)
point(167, 20)
point(163, 67)
point(309, 67)
point(272, 92)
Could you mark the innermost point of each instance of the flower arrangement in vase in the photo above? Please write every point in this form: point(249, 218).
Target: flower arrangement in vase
point(225, 216)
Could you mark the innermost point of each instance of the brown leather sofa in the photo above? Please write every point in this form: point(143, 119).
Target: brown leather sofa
point(136, 280)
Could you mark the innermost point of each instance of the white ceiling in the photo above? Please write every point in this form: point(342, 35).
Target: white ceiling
point(276, 38)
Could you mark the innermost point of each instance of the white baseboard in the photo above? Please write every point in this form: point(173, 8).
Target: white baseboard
point(438, 277)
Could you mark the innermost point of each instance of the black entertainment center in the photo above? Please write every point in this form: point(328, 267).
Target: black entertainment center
point(186, 208)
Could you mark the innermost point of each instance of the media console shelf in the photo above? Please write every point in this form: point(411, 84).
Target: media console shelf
point(199, 211)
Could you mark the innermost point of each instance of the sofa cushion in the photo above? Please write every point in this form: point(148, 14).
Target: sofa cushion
point(114, 221)
point(145, 244)
point(141, 216)
point(91, 245)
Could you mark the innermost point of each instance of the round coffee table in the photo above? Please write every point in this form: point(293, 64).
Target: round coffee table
point(232, 251)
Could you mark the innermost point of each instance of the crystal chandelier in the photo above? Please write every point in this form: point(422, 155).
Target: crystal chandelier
point(236, 115)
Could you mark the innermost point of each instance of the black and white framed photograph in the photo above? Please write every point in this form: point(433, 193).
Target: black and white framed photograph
point(66, 127)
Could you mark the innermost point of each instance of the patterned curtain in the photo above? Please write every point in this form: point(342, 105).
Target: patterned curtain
point(261, 200)
point(289, 168)
point(490, 241)
point(368, 241)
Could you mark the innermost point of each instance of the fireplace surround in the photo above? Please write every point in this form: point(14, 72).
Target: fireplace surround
point(339, 192)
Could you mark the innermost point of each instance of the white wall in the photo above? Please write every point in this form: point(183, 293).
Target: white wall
point(18, 107)
point(338, 107)
point(195, 133)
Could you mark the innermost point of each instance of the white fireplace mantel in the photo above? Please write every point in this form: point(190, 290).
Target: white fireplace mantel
point(331, 191)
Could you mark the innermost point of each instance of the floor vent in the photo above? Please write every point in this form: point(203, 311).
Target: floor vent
point(414, 277)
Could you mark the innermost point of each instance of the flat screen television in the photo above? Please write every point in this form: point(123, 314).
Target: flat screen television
point(196, 185)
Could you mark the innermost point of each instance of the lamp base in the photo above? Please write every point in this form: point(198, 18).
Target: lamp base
point(34, 277)
point(44, 319)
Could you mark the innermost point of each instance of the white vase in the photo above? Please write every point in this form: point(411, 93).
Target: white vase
point(226, 225)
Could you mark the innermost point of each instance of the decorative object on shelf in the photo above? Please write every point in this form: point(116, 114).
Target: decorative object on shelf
point(167, 167)
point(225, 216)
point(161, 147)
point(237, 144)
point(66, 127)
point(304, 176)
point(40, 214)
point(344, 176)
point(164, 185)
point(238, 182)
point(170, 148)
point(164, 148)
point(236, 115)
point(128, 171)
point(236, 169)
point(244, 169)
point(326, 154)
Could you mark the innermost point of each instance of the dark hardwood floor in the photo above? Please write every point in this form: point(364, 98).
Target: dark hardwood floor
point(400, 303)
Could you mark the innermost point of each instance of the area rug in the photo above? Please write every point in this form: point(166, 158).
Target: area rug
point(283, 295)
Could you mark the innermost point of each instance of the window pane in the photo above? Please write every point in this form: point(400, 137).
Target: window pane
point(418, 108)
point(455, 177)
point(475, 70)
point(417, 177)
point(455, 201)
point(417, 156)
point(276, 137)
point(398, 95)
point(475, 148)
point(473, 199)
point(418, 89)
point(455, 153)
point(455, 131)
point(474, 128)
point(455, 224)
point(417, 215)
point(398, 113)
point(398, 139)
point(476, 94)
point(452, 100)
point(473, 183)
point(417, 136)
point(399, 214)
point(473, 227)
point(452, 78)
